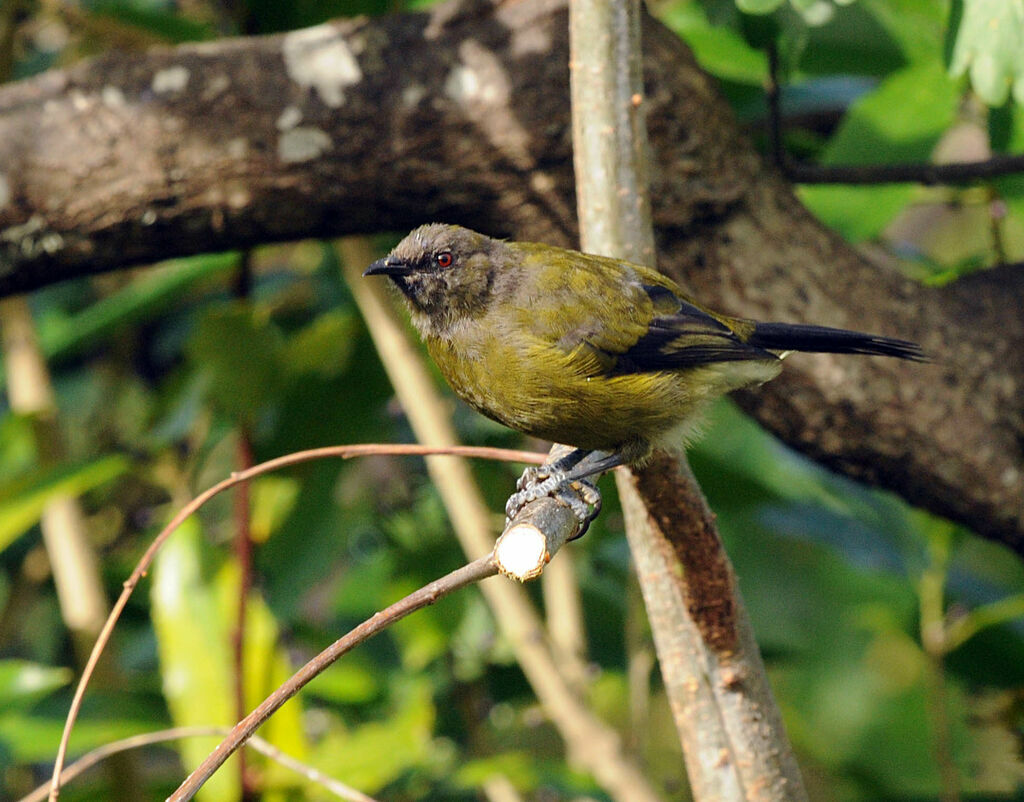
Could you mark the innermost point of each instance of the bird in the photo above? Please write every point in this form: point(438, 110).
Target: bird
point(609, 357)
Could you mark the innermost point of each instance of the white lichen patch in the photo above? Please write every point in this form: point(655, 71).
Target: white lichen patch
point(531, 40)
point(413, 94)
point(440, 15)
point(216, 85)
point(478, 78)
point(32, 238)
point(302, 144)
point(319, 58)
point(30, 227)
point(79, 100)
point(5, 191)
point(238, 147)
point(112, 97)
point(172, 79)
point(289, 118)
point(480, 84)
point(462, 84)
point(237, 195)
point(542, 182)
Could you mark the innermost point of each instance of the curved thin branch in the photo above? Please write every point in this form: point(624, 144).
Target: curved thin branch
point(928, 174)
point(141, 568)
point(101, 753)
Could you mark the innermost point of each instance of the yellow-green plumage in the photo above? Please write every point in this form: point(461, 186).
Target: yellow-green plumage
point(585, 350)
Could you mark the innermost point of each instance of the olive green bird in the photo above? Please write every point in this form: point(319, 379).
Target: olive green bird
point(610, 357)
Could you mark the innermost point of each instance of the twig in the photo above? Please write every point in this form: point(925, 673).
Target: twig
point(928, 174)
point(533, 537)
point(499, 788)
point(76, 573)
point(101, 753)
point(773, 100)
point(243, 730)
point(343, 452)
point(563, 613)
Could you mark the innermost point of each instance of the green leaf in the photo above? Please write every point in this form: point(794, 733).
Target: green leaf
point(918, 26)
point(32, 738)
point(350, 681)
point(370, 756)
point(520, 768)
point(758, 6)
point(325, 345)
point(853, 42)
point(195, 610)
point(23, 683)
point(22, 502)
point(266, 667)
point(194, 651)
point(901, 121)
point(989, 46)
point(719, 49)
point(1006, 131)
point(273, 499)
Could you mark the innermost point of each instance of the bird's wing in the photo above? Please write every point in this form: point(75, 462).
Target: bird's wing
point(617, 319)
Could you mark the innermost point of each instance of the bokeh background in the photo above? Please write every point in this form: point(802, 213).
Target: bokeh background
point(169, 377)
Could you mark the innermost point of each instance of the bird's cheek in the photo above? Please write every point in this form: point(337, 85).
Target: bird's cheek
point(405, 284)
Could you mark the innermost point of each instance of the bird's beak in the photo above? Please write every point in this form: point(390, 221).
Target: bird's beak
point(389, 266)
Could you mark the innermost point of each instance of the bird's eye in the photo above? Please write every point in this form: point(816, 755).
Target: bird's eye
point(444, 259)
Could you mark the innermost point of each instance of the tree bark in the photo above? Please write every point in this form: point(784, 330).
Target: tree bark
point(461, 114)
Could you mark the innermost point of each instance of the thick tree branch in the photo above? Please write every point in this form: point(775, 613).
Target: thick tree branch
point(462, 115)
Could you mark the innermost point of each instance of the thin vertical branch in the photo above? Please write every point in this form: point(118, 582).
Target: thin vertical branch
point(76, 574)
point(730, 727)
point(931, 591)
point(563, 610)
point(773, 99)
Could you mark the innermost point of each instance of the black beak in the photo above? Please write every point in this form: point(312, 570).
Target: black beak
point(389, 266)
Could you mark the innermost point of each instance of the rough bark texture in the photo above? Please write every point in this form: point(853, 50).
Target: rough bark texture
point(462, 115)
point(714, 677)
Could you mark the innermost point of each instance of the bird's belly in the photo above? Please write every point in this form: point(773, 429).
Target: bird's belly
point(547, 399)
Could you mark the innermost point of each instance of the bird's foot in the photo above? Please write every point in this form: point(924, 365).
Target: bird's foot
point(579, 495)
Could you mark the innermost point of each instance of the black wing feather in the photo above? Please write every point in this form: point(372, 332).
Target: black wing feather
point(822, 339)
point(687, 338)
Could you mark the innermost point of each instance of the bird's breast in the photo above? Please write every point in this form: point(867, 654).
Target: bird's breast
point(540, 389)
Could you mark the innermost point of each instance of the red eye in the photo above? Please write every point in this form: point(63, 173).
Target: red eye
point(444, 259)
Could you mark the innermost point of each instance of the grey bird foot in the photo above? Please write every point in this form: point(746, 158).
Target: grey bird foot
point(580, 495)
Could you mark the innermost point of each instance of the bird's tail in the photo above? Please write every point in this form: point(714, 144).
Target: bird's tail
point(822, 339)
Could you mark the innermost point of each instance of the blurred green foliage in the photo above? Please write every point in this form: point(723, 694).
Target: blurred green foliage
point(164, 376)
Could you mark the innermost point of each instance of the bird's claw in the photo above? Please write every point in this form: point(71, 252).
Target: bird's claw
point(581, 496)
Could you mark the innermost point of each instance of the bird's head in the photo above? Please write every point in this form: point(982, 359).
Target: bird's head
point(446, 273)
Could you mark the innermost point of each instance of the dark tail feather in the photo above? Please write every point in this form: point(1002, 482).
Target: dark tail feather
point(821, 339)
